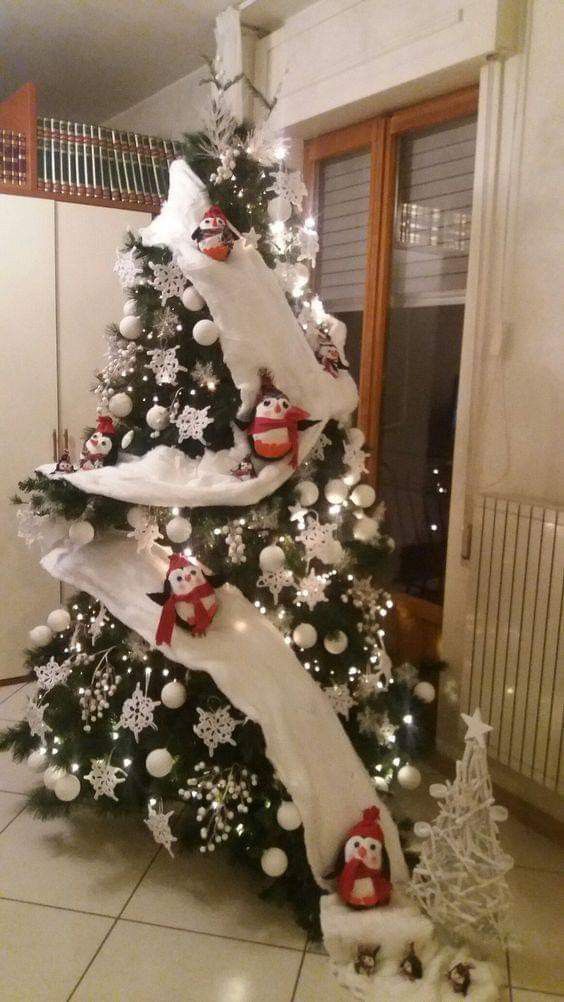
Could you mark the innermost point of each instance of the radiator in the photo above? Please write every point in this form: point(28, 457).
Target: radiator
point(514, 668)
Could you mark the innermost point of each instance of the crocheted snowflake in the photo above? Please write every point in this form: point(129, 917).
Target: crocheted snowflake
point(311, 589)
point(355, 458)
point(289, 184)
point(51, 674)
point(275, 581)
point(318, 451)
point(192, 423)
point(340, 699)
point(318, 540)
point(165, 365)
point(215, 727)
point(168, 280)
point(34, 716)
point(145, 536)
point(104, 778)
point(158, 824)
point(137, 712)
point(128, 267)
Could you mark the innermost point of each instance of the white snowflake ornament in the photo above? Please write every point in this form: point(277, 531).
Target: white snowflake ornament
point(355, 458)
point(251, 238)
point(192, 423)
point(51, 674)
point(168, 280)
point(137, 712)
point(215, 727)
point(158, 824)
point(165, 365)
point(34, 716)
point(319, 542)
point(145, 535)
point(308, 242)
point(289, 184)
point(340, 699)
point(203, 374)
point(104, 778)
point(317, 454)
point(311, 589)
point(128, 267)
point(275, 581)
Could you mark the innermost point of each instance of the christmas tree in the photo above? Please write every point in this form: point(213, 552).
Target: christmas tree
point(224, 650)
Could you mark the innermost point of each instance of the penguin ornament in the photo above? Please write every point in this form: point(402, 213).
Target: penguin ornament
point(101, 449)
point(363, 867)
point(214, 236)
point(275, 423)
point(187, 597)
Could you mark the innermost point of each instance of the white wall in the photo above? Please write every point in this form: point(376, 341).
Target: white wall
point(169, 112)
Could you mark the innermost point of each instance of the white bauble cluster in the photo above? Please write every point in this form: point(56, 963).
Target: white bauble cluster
point(40, 636)
point(59, 620)
point(424, 691)
point(205, 332)
point(305, 635)
point(192, 300)
point(364, 496)
point(173, 695)
point(336, 643)
point(409, 777)
point(157, 417)
point(288, 816)
point(159, 762)
point(179, 529)
point(121, 405)
point(365, 529)
point(307, 492)
point(67, 787)
point(274, 862)
point(271, 558)
point(130, 327)
point(336, 491)
point(81, 532)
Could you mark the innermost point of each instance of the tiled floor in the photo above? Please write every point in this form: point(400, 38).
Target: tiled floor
point(91, 910)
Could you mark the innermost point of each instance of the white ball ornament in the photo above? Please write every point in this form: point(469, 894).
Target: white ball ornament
point(121, 405)
point(81, 532)
point(37, 760)
point(205, 332)
point(271, 558)
point(137, 517)
point(51, 775)
point(365, 529)
point(424, 691)
point(130, 327)
point(59, 620)
point(192, 299)
point(157, 417)
point(422, 829)
point(356, 437)
point(40, 636)
point(159, 762)
point(308, 492)
point(381, 784)
point(274, 862)
point(279, 209)
point(336, 491)
point(178, 529)
point(130, 308)
point(173, 695)
point(305, 635)
point(288, 816)
point(336, 643)
point(67, 787)
point(409, 777)
point(364, 496)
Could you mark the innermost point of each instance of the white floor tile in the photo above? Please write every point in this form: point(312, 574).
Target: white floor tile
point(207, 894)
point(317, 983)
point(10, 805)
point(527, 847)
point(15, 705)
point(84, 862)
point(537, 962)
point(15, 777)
point(8, 690)
point(148, 963)
point(43, 951)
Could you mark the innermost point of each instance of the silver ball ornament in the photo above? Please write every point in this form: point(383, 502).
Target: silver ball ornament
point(205, 332)
point(130, 327)
point(305, 635)
point(274, 862)
point(271, 558)
point(157, 417)
point(409, 777)
point(178, 529)
point(173, 695)
point(288, 816)
point(336, 491)
point(67, 787)
point(40, 636)
point(121, 405)
point(192, 300)
point(58, 620)
point(159, 762)
point(364, 495)
point(336, 643)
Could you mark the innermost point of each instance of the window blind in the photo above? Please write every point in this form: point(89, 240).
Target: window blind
point(344, 193)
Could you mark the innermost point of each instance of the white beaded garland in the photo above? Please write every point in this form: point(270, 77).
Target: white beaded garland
point(288, 816)
point(121, 405)
point(137, 517)
point(59, 620)
point(279, 209)
point(365, 529)
point(205, 332)
point(192, 300)
point(67, 787)
point(159, 762)
point(424, 691)
point(305, 635)
point(274, 862)
point(178, 529)
point(409, 777)
point(336, 643)
point(81, 532)
point(157, 417)
point(173, 695)
point(308, 492)
point(364, 495)
point(51, 775)
point(271, 558)
point(130, 327)
point(40, 636)
point(37, 760)
point(336, 491)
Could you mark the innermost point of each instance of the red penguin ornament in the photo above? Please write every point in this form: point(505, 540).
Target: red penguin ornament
point(101, 448)
point(363, 875)
point(214, 236)
point(187, 595)
point(275, 423)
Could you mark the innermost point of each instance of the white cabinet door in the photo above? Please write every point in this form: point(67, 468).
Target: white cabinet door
point(28, 384)
point(89, 298)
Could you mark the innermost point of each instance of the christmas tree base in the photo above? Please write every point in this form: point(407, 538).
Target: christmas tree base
point(396, 930)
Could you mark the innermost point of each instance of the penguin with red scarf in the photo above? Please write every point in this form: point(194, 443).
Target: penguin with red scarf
point(214, 236)
point(363, 869)
point(187, 598)
point(101, 449)
point(275, 423)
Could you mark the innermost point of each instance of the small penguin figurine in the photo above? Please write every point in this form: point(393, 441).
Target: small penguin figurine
point(460, 978)
point(365, 962)
point(64, 464)
point(411, 967)
point(275, 423)
point(101, 449)
point(188, 595)
point(329, 355)
point(363, 867)
point(244, 470)
point(214, 236)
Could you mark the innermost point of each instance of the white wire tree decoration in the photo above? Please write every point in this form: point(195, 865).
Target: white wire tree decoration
point(460, 879)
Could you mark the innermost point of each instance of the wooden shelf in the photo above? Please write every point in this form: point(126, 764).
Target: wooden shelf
point(53, 196)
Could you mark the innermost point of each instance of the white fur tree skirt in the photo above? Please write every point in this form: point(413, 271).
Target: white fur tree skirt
point(249, 661)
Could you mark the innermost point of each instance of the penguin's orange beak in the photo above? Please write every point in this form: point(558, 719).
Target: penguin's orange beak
point(361, 852)
point(277, 409)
